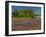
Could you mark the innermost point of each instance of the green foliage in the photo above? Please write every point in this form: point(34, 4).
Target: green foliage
point(24, 13)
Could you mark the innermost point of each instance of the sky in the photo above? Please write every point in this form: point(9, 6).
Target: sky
point(37, 10)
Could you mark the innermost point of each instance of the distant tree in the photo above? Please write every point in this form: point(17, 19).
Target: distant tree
point(24, 13)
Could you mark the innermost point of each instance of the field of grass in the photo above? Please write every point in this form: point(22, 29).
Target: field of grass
point(25, 20)
point(26, 24)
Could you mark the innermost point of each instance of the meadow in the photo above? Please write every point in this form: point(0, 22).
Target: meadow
point(25, 20)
